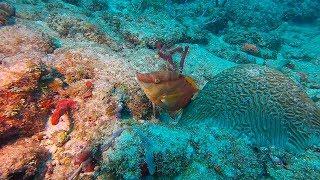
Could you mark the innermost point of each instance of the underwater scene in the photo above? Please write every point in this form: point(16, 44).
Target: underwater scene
point(159, 89)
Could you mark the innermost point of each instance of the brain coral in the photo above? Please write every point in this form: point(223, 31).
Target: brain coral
point(259, 101)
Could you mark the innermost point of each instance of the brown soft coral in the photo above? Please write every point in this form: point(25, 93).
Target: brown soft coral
point(169, 89)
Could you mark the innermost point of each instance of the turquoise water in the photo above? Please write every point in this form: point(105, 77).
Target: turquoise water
point(255, 113)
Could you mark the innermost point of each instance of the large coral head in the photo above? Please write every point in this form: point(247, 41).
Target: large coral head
point(261, 102)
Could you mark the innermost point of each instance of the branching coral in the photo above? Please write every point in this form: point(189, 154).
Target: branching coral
point(167, 55)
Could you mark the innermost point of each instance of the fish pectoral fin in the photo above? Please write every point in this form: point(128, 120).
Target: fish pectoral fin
point(172, 117)
point(194, 96)
point(176, 115)
point(170, 98)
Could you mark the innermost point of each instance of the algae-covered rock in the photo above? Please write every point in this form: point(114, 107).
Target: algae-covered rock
point(22, 160)
point(164, 152)
point(19, 108)
point(20, 39)
point(21, 112)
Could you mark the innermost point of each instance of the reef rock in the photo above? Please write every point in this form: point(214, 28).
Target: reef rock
point(21, 160)
point(21, 53)
point(259, 101)
point(19, 39)
point(77, 28)
point(19, 108)
point(113, 80)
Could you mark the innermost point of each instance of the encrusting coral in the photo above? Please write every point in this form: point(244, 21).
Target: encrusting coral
point(260, 101)
point(63, 106)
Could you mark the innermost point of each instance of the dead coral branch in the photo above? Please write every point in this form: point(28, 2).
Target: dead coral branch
point(167, 55)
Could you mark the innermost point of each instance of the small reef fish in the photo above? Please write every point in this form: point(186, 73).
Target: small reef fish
point(171, 94)
point(169, 89)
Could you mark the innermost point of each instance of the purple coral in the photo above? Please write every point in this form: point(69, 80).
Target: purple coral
point(166, 54)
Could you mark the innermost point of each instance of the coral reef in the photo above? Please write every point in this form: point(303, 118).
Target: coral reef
point(105, 91)
point(144, 16)
point(259, 101)
point(19, 108)
point(262, 18)
point(191, 154)
point(77, 28)
point(307, 11)
point(71, 104)
point(117, 80)
point(143, 144)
